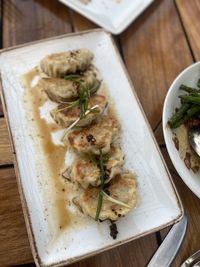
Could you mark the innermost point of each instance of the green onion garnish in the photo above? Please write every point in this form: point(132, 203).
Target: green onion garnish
point(73, 77)
point(102, 178)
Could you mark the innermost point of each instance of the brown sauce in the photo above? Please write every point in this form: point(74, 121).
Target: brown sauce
point(54, 154)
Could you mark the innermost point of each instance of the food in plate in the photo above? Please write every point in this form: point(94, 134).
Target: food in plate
point(61, 64)
point(86, 172)
point(119, 198)
point(83, 110)
point(96, 137)
point(67, 113)
point(187, 117)
point(68, 88)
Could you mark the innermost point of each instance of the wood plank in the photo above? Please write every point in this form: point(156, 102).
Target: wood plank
point(14, 248)
point(158, 133)
point(81, 23)
point(6, 156)
point(25, 21)
point(190, 13)
point(155, 52)
point(135, 253)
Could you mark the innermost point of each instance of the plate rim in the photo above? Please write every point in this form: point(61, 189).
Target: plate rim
point(110, 28)
point(25, 209)
point(164, 119)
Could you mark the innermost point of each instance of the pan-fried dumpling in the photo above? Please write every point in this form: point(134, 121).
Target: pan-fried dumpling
point(61, 64)
point(121, 188)
point(96, 137)
point(66, 116)
point(86, 172)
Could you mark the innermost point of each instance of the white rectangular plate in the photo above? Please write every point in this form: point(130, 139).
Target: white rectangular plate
point(113, 15)
point(158, 204)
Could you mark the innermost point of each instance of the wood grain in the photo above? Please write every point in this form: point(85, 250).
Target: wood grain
point(80, 23)
point(190, 13)
point(28, 20)
point(155, 51)
point(135, 253)
point(14, 244)
point(5, 148)
point(158, 133)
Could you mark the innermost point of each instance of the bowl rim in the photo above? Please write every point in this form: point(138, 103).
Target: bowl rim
point(165, 133)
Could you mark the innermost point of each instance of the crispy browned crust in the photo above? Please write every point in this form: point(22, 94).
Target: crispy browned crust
point(122, 187)
point(65, 117)
point(97, 136)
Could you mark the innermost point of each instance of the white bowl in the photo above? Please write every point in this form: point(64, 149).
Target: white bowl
point(188, 77)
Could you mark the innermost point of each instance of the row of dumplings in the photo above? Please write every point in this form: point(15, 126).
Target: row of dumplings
point(73, 82)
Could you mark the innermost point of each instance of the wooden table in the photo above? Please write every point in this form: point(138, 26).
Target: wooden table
point(155, 48)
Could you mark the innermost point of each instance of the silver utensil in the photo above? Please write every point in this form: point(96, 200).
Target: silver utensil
point(167, 251)
point(194, 139)
point(192, 261)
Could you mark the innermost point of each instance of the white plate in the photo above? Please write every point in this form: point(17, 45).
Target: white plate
point(158, 205)
point(188, 77)
point(113, 15)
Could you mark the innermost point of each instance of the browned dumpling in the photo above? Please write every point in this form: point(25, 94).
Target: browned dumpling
point(96, 137)
point(66, 116)
point(62, 90)
point(60, 64)
point(86, 172)
point(121, 188)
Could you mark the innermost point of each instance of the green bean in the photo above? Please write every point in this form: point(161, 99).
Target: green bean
point(198, 83)
point(178, 115)
point(190, 99)
point(194, 110)
point(189, 89)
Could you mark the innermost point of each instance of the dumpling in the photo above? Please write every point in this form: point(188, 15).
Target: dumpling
point(66, 116)
point(62, 90)
point(96, 137)
point(61, 64)
point(122, 188)
point(86, 172)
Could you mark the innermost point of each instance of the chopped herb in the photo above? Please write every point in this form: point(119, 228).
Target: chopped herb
point(101, 161)
point(111, 199)
point(83, 100)
point(76, 121)
point(70, 105)
point(73, 77)
point(198, 83)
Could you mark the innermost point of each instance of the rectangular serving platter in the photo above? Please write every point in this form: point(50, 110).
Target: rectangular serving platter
point(113, 15)
point(158, 202)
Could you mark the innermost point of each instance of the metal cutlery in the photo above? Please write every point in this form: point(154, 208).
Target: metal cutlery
point(167, 251)
point(192, 261)
point(194, 139)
